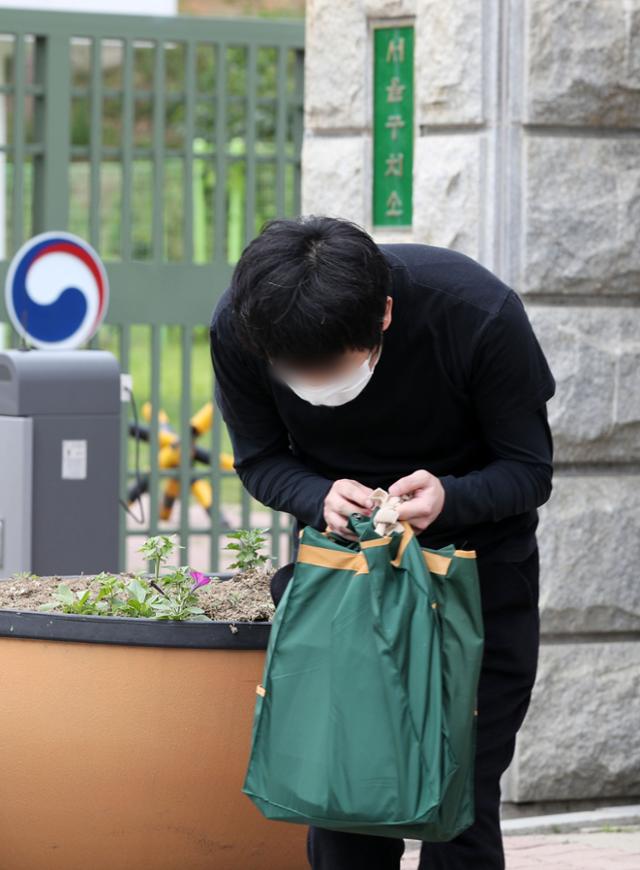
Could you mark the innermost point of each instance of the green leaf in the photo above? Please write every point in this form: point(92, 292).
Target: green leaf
point(138, 590)
point(64, 594)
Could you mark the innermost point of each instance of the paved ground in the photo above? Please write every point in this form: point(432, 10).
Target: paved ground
point(604, 850)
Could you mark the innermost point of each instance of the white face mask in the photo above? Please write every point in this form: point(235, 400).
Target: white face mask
point(337, 392)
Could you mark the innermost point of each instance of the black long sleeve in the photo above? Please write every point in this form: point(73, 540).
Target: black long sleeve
point(517, 480)
point(509, 383)
point(262, 457)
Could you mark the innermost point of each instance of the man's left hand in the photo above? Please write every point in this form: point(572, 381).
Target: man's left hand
point(426, 502)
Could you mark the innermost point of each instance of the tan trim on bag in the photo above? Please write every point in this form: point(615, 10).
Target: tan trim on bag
point(406, 537)
point(436, 563)
point(343, 561)
point(440, 564)
point(324, 558)
point(376, 542)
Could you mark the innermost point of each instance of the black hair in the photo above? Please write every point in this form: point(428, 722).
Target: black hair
point(309, 288)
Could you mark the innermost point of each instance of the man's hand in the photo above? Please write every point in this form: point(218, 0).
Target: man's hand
point(426, 502)
point(346, 497)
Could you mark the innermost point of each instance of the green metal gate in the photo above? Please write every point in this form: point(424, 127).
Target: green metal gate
point(166, 143)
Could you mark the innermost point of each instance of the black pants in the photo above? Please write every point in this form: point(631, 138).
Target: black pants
point(509, 593)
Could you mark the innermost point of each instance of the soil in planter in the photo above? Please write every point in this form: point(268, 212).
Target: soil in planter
point(245, 597)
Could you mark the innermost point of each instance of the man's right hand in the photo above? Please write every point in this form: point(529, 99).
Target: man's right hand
point(346, 497)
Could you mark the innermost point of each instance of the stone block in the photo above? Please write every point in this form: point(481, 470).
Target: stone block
point(447, 207)
point(390, 8)
point(336, 57)
point(580, 737)
point(582, 212)
point(583, 62)
point(589, 538)
point(449, 62)
point(336, 176)
point(594, 354)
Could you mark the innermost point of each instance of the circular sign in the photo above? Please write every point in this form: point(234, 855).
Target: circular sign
point(56, 291)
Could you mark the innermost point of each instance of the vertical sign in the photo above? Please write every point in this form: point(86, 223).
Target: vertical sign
point(392, 126)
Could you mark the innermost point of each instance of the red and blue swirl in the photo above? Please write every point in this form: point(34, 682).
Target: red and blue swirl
point(56, 290)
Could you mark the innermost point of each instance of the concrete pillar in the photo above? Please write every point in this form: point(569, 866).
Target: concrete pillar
point(527, 158)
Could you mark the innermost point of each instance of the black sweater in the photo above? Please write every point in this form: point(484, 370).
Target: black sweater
point(460, 390)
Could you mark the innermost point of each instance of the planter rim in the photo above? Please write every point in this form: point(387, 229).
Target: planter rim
point(135, 631)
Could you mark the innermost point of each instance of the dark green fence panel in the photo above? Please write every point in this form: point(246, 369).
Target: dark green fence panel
point(166, 143)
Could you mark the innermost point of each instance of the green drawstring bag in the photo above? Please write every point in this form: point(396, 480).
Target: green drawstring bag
point(365, 720)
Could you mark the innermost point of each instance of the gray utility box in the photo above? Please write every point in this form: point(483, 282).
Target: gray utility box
point(59, 461)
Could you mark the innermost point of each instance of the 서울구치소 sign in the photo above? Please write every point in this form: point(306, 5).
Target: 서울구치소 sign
point(392, 126)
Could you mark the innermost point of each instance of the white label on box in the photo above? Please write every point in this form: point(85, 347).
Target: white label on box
point(74, 460)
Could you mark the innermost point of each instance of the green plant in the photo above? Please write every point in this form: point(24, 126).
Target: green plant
point(176, 598)
point(158, 549)
point(111, 591)
point(170, 596)
point(247, 544)
point(180, 601)
point(71, 602)
point(24, 575)
point(141, 600)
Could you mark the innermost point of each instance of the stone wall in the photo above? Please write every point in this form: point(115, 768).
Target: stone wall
point(527, 157)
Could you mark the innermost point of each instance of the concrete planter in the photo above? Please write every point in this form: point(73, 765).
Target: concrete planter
point(124, 744)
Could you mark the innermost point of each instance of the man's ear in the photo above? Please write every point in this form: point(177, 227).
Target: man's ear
point(386, 320)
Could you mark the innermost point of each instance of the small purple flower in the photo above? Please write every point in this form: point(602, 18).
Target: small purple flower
point(200, 579)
